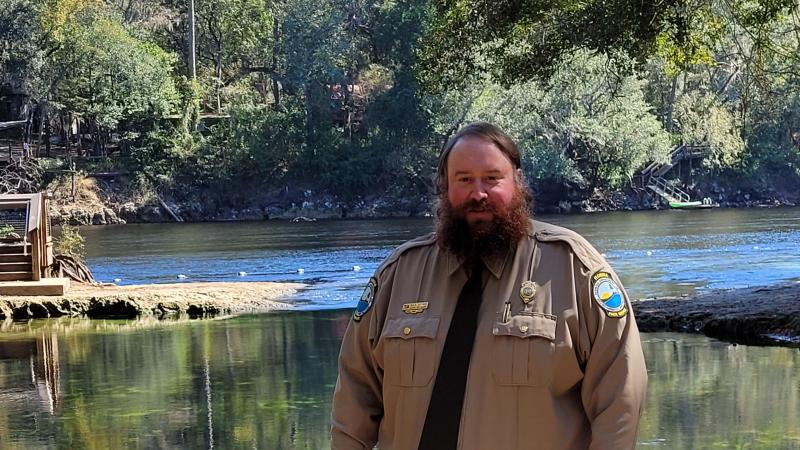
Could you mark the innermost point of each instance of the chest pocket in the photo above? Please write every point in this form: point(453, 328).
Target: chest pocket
point(524, 350)
point(410, 350)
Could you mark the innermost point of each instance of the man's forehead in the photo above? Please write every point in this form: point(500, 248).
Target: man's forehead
point(472, 153)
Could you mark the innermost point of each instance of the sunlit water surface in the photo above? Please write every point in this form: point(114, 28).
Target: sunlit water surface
point(656, 253)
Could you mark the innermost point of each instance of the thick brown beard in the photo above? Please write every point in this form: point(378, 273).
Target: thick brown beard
point(483, 240)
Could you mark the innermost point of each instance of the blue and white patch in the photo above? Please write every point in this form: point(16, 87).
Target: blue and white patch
point(367, 299)
point(607, 293)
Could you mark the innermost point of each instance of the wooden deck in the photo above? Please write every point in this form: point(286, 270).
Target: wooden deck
point(45, 286)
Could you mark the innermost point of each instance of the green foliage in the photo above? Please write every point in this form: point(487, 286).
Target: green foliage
point(585, 127)
point(701, 119)
point(522, 40)
point(5, 230)
point(256, 143)
point(335, 95)
point(106, 73)
point(70, 242)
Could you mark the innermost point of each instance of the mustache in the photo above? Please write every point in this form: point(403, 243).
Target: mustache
point(475, 205)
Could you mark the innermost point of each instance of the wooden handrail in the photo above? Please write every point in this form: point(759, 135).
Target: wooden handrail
point(37, 230)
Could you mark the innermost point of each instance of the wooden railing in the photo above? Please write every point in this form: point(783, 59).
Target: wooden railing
point(36, 230)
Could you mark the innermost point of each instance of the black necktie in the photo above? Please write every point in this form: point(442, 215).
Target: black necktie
point(444, 412)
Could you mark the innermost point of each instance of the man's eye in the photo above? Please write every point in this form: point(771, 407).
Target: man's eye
point(464, 179)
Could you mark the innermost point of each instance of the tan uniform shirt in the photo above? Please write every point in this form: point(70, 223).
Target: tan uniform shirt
point(559, 372)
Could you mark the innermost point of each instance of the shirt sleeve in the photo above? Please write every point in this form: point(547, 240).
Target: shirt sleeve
point(615, 377)
point(358, 398)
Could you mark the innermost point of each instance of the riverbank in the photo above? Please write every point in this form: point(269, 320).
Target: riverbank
point(117, 200)
point(158, 300)
point(756, 316)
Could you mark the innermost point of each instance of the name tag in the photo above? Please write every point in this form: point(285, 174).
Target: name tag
point(415, 308)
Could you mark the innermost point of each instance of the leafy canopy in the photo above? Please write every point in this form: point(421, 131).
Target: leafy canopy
point(519, 40)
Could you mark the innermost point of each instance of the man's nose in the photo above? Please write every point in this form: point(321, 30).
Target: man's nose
point(478, 191)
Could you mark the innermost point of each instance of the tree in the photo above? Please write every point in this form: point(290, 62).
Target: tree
point(103, 73)
point(584, 128)
point(520, 40)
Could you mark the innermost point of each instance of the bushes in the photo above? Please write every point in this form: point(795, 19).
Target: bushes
point(70, 242)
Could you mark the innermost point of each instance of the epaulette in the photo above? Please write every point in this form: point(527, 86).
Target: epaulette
point(421, 241)
point(585, 252)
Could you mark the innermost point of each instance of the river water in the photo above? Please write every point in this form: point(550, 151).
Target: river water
point(264, 381)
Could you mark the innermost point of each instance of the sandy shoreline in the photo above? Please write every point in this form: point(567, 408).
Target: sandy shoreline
point(193, 299)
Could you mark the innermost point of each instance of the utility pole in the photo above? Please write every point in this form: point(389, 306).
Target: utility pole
point(192, 68)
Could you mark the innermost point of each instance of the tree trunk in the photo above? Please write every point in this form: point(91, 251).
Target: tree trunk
point(309, 115)
point(95, 132)
point(47, 133)
point(64, 132)
point(191, 64)
point(80, 136)
point(276, 86)
point(671, 105)
point(218, 72)
point(28, 133)
point(42, 113)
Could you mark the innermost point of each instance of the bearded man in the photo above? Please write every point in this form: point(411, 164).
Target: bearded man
point(495, 332)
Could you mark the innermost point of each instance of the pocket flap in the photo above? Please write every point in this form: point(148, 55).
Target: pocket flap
point(528, 325)
point(411, 327)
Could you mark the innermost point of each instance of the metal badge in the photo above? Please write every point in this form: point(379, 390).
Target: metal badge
point(527, 291)
point(415, 308)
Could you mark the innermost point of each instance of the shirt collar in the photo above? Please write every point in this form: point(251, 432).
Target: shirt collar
point(494, 265)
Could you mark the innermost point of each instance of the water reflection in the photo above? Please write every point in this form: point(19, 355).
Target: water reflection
point(709, 394)
point(43, 387)
point(265, 381)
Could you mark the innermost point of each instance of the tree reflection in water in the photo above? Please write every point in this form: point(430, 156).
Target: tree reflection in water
point(265, 381)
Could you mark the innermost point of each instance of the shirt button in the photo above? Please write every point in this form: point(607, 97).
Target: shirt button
point(406, 331)
point(523, 328)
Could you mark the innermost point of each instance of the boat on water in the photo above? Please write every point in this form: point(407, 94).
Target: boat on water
point(705, 204)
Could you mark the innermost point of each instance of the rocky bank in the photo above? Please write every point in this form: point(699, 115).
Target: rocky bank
point(158, 300)
point(757, 315)
point(116, 200)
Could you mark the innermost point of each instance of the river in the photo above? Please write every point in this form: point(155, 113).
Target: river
point(264, 381)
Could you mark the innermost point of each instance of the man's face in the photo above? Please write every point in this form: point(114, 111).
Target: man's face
point(480, 180)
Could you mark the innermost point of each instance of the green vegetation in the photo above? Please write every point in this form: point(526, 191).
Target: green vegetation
point(356, 98)
point(70, 242)
point(5, 230)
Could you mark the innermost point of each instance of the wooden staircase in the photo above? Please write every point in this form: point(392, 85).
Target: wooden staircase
point(652, 175)
point(668, 191)
point(26, 256)
point(15, 261)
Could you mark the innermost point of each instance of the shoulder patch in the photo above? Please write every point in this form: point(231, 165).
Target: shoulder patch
point(367, 299)
point(607, 293)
